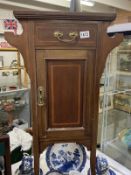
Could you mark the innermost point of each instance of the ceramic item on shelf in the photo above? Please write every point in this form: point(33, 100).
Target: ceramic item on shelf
point(5, 73)
point(26, 166)
point(15, 73)
point(3, 88)
point(14, 63)
point(12, 87)
point(125, 137)
point(66, 157)
point(102, 167)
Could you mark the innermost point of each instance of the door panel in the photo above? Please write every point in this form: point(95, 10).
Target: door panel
point(65, 85)
point(66, 77)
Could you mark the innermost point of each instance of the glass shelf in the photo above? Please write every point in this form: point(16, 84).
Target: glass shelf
point(11, 68)
point(13, 92)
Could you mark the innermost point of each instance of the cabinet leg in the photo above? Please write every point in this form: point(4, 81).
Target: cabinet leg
point(93, 162)
point(36, 165)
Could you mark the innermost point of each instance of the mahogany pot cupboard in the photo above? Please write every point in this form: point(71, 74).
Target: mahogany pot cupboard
point(65, 55)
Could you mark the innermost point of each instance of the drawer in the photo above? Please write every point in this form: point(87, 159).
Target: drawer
point(65, 33)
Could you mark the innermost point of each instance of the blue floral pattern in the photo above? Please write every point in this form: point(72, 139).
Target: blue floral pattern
point(26, 166)
point(66, 157)
point(102, 167)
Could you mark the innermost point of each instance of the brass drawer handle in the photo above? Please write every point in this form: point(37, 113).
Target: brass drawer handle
point(41, 96)
point(72, 36)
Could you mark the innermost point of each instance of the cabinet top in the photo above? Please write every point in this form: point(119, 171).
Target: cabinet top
point(36, 15)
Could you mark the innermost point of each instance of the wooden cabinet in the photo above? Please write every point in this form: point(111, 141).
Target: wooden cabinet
point(66, 92)
point(64, 54)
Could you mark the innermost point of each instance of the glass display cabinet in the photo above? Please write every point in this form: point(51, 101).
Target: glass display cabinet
point(115, 104)
point(14, 90)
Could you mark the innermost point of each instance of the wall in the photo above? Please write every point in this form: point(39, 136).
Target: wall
point(122, 16)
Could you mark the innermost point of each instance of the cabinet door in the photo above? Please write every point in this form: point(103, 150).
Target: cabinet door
point(65, 82)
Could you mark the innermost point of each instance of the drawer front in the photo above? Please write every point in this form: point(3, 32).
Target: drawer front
point(65, 33)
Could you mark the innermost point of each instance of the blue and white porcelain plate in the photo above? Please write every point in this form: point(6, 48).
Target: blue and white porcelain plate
point(66, 157)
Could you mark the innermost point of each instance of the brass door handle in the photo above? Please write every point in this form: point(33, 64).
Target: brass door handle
point(41, 96)
point(72, 36)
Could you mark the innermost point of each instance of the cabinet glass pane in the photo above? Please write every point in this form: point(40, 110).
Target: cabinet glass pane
point(115, 105)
